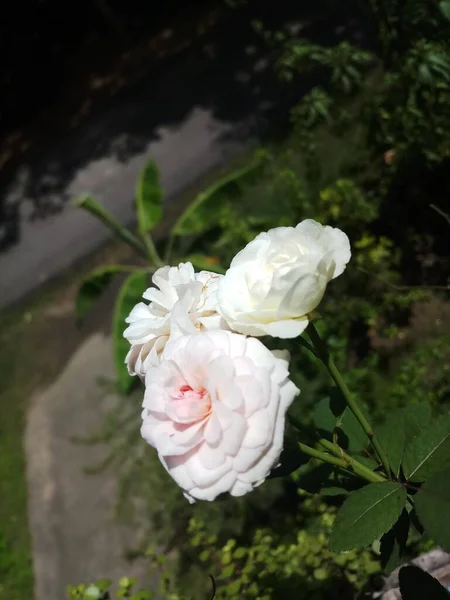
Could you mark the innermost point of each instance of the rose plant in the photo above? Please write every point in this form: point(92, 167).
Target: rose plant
point(216, 397)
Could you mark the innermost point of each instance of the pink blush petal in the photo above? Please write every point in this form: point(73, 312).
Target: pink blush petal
point(187, 411)
point(202, 477)
point(235, 434)
point(223, 413)
point(252, 392)
point(211, 458)
point(260, 430)
point(187, 435)
point(213, 430)
point(211, 492)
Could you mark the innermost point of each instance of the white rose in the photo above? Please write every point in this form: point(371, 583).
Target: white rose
point(182, 302)
point(280, 277)
point(214, 409)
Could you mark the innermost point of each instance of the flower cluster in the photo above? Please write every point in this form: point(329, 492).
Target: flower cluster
point(215, 398)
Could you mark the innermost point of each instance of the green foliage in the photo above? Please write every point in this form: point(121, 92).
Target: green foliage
point(101, 590)
point(204, 212)
point(392, 436)
point(97, 210)
point(346, 63)
point(433, 503)
point(416, 584)
point(93, 286)
point(393, 543)
point(423, 376)
point(129, 295)
point(149, 197)
point(298, 565)
point(445, 8)
point(366, 515)
point(320, 478)
point(314, 109)
point(429, 451)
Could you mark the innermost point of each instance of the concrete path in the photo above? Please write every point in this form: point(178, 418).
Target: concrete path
point(75, 536)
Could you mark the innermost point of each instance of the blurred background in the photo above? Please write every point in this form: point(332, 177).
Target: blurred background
point(343, 108)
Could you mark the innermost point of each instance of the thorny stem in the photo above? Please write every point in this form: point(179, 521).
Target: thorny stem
point(351, 465)
point(324, 355)
point(344, 460)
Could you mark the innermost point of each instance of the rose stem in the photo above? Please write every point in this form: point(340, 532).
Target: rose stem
point(152, 253)
point(347, 463)
point(325, 356)
point(356, 467)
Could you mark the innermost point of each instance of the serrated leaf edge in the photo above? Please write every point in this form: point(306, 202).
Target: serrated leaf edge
point(362, 545)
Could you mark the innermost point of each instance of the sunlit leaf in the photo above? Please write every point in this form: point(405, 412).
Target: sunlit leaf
point(202, 214)
point(366, 515)
point(429, 451)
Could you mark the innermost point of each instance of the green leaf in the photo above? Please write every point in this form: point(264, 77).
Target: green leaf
point(323, 416)
point(205, 263)
point(366, 515)
point(391, 436)
point(94, 207)
point(130, 294)
point(92, 592)
point(415, 417)
point(445, 8)
point(92, 287)
point(416, 584)
point(429, 451)
point(393, 543)
point(331, 415)
point(142, 595)
point(104, 584)
point(291, 459)
point(325, 480)
point(202, 214)
point(149, 198)
point(403, 422)
point(432, 504)
point(228, 570)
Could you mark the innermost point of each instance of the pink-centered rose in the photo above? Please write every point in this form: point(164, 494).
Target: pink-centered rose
point(214, 409)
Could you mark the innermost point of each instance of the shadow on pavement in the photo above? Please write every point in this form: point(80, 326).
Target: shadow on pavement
point(228, 72)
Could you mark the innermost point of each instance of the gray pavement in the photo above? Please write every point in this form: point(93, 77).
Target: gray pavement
point(48, 246)
point(194, 113)
point(74, 531)
point(199, 110)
